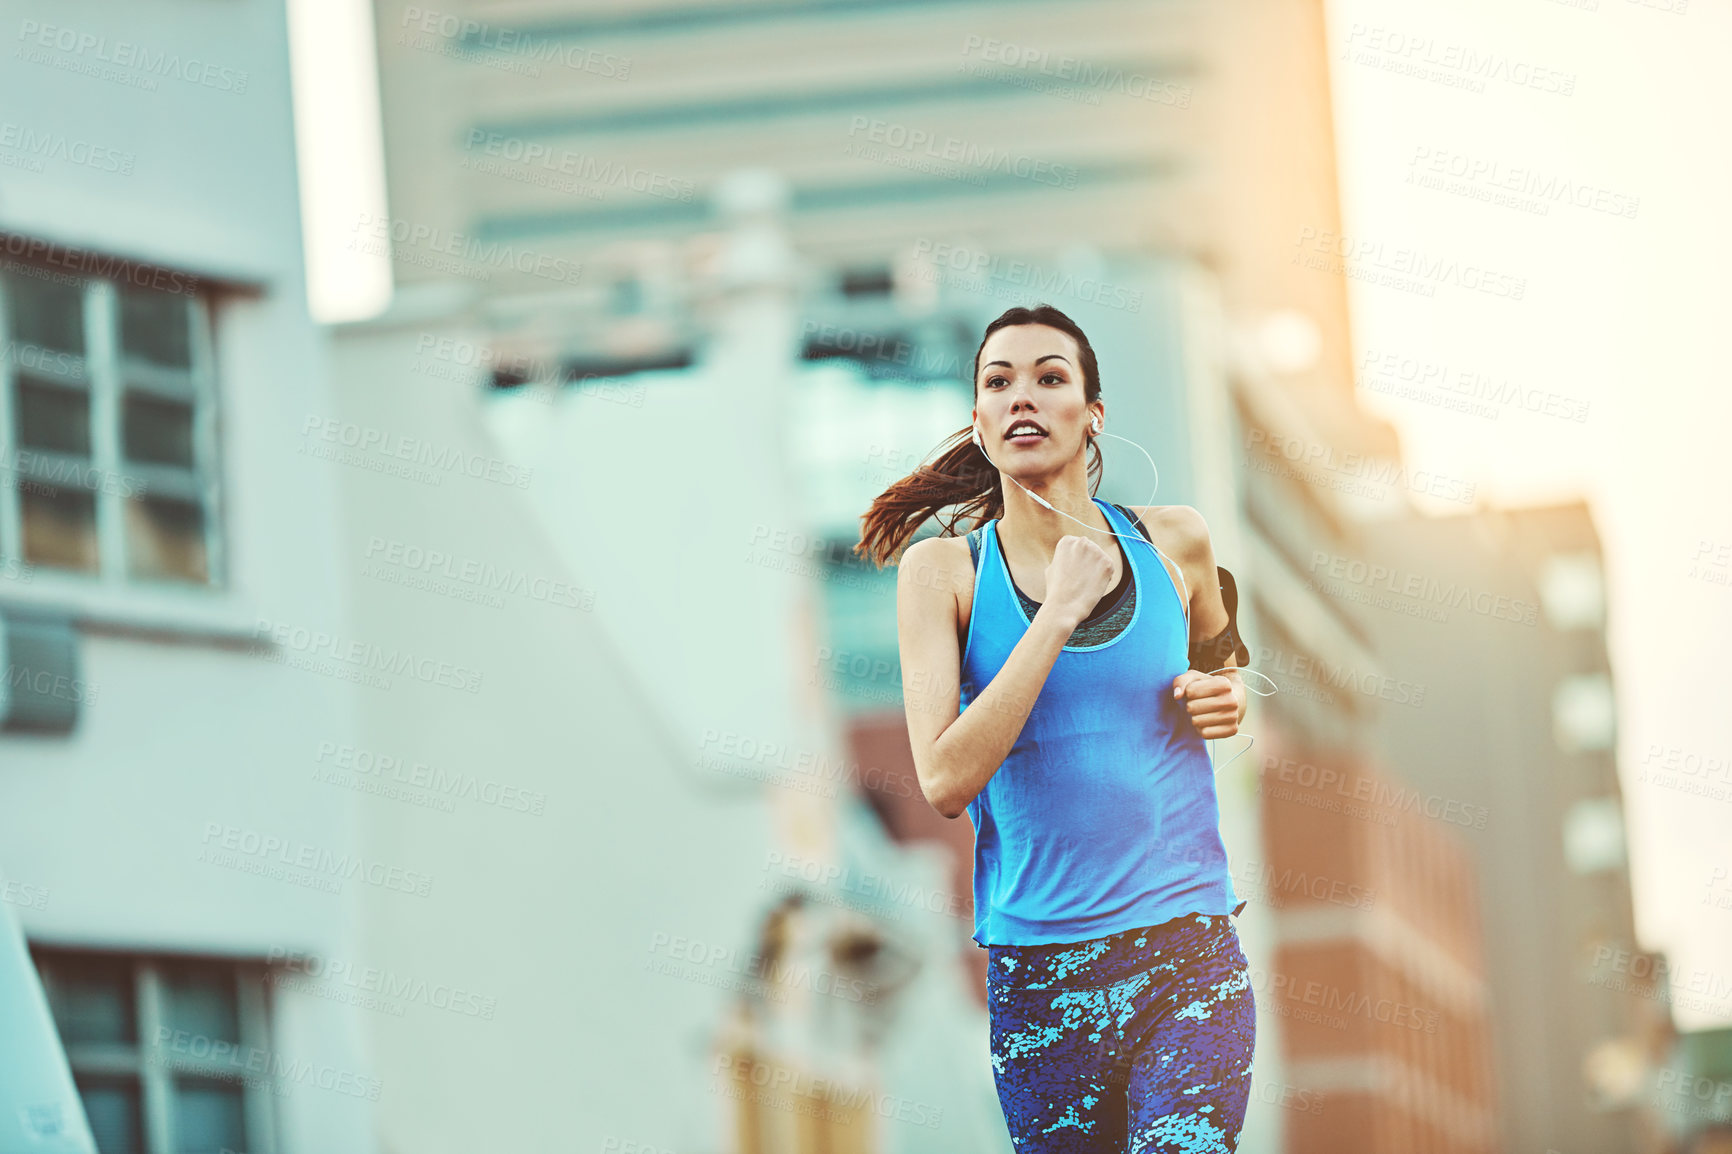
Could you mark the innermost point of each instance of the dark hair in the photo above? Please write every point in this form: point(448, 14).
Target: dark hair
point(962, 475)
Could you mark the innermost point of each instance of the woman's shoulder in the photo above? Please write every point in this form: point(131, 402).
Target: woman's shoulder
point(1180, 528)
point(942, 567)
point(939, 562)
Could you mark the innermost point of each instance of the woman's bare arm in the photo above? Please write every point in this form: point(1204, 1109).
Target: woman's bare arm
point(1181, 530)
point(956, 751)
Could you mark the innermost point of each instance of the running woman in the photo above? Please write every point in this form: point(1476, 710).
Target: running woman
point(1055, 694)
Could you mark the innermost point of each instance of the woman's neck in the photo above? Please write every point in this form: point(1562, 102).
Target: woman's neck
point(1030, 526)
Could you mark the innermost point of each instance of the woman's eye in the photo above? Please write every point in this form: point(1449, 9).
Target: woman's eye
point(1055, 378)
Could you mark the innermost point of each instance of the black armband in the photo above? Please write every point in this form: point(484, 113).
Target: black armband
point(1226, 647)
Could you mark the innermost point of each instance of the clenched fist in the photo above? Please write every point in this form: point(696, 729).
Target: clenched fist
point(1213, 702)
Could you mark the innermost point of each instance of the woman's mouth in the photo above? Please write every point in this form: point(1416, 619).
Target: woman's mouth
point(1025, 433)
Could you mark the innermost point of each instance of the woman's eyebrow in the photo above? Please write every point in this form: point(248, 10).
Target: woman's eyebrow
point(1037, 360)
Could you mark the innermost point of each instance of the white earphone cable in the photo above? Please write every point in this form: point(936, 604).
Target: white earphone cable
point(1186, 602)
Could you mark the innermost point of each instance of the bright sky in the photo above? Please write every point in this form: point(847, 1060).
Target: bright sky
point(338, 139)
point(1626, 101)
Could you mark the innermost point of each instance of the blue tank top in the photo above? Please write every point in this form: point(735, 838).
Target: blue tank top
point(1103, 817)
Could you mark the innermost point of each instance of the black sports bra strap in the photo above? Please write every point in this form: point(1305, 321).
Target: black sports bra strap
point(1135, 520)
point(974, 534)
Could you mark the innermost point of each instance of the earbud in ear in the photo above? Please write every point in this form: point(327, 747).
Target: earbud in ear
point(975, 437)
point(1095, 425)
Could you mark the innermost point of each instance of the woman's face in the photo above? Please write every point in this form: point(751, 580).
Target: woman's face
point(1031, 376)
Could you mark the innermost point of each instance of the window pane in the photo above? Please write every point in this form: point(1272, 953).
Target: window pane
point(59, 526)
point(157, 430)
point(93, 999)
point(209, 1117)
point(1594, 835)
point(46, 314)
point(202, 1002)
point(53, 417)
point(1573, 592)
point(112, 1105)
point(156, 327)
point(1584, 713)
point(165, 539)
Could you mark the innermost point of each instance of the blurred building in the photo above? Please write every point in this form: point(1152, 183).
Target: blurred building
point(1161, 175)
point(166, 559)
point(1379, 975)
point(1498, 618)
point(1691, 1093)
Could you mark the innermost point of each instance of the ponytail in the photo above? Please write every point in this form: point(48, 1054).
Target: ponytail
point(963, 476)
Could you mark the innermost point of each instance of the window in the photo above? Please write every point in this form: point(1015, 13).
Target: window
point(107, 419)
point(1584, 713)
point(1572, 591)
point(163, 1050)
point(1594, 835)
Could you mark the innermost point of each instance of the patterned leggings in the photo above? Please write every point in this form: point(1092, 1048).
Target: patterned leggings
point(1139, 1041)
